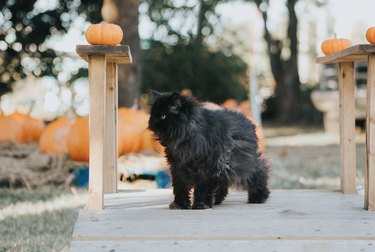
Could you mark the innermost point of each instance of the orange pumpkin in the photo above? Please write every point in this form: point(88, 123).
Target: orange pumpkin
point(54, 137)
point(137, 138)
point(136, 117)
point(130, 137)
point(78, 140)
point(104, 34)
point(149, 143)
point(32, 127)
point(11, 130)
point(370, 35)
point(230, 104)
point(259, 134)
point(245, 107)
point(330, 46)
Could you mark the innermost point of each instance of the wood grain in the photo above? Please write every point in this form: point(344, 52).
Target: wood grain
point(97, 97)
point(370, 136)
point(351, 54)
point(347, 127)
point(114, 54)
point(110, 167)
point(142, 220)
point(226, 246)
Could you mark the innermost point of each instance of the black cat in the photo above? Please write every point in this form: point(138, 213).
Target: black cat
point(208, 150)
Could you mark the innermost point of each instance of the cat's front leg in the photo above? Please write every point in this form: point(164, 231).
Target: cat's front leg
point(203, 196)
point(181, 191)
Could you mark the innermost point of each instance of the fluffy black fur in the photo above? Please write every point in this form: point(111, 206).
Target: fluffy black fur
point(208, 151)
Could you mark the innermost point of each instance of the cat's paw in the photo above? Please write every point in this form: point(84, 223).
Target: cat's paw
point(175, 205)
point(201, 205)
point(218, 201)
point(258, 198)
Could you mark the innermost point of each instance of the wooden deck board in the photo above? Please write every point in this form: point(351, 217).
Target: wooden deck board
point(290, 220)
point(354, 53)
point(227, 245)
point(114, 54)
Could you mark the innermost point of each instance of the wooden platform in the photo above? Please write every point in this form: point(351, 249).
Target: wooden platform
point(290, 221)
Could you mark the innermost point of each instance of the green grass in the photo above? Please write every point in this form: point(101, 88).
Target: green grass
point(8, 197)
point(48, 231)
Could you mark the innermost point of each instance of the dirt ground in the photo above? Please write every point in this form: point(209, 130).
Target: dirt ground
point(43, 219)
point(309, 158)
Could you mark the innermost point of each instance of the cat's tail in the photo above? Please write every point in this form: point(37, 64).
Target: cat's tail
point(257, 183)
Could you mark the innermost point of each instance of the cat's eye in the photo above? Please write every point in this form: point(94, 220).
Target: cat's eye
point(163, 117)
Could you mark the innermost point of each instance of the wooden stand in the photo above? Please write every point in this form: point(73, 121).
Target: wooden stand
point(346, 59)
point(103, 62)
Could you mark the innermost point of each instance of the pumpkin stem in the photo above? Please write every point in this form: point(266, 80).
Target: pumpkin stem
point(335, 35)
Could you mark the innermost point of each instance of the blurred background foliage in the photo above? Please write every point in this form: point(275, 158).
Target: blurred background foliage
point(185, 50)
point(210, 75)
point(25, 28)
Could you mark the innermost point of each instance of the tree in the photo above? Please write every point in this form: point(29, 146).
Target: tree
point(125, 14)
point(285, 70)
point(210, 76)
point(25, 30)
point(177, 56)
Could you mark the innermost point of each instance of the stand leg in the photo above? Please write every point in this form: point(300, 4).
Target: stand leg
point(347, 127)
point(370, 136)
point(97, 80)
point(110, 167)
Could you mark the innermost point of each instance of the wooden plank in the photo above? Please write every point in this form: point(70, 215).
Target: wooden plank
point(370, 136)
point(222, 228)
point(110, 165)
point(347, 127)
point(115, 54)
point(354, 53)
point(280, 201)
point(226, 245)
point(97, 97)
point(287, 215)
point(301, 220)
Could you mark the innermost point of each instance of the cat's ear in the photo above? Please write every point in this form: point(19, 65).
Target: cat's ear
point(176, 99)
point(176, 103)
point(154, 95)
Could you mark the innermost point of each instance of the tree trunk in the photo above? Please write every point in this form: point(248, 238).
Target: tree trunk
point(128, 75)
point(288, 98)
point(285, 72)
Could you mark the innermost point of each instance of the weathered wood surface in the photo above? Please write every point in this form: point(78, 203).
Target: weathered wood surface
point(97, 78)
point(227, 246)
point(354, 53)
point(117, 54)
point(347, 127)
point(111, 145)
point(370, 136)
point(289, 221)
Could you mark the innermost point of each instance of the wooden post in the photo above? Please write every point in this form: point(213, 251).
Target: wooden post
point(370, 136)
point(347, 127)
point(110, 165)
point(346, 59)
point(103, 61)
point(97, 79)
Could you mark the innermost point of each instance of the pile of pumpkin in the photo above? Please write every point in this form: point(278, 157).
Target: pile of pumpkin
point(71, 135)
